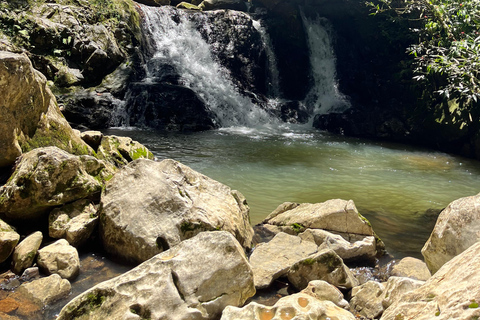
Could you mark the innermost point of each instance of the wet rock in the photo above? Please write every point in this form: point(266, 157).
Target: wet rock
point(187, 5)
point(296, 306)
point(451, 293)
point(167, 203)
point(325, 265)
point(273, 259)
point(26, 251)
point(31, 117)
point(367, 299)
point(48, 177)
point(358, 248)
point(8, 240)
point(196, 279)
point(396, 287)
point(119, 151)
point(238, 5)
point(457, 228)
point(323, 290)
point(46, 290)
point(74, 222)
point(411, 268)
point(59, 258)
point(30, 273)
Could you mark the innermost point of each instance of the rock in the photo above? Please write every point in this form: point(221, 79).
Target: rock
point(323, 290)
point(411, 268)
point(396, 287)
point(49, 177)
point(30, 115)
point(237, 5)
point(119, 151)
point(46, 290)
point(30, 273)
point(92, 138)
point(457, 228)
point(325, 265)
point(167, 203)
point(296, 306)
point(74, 222)
point(196, 279)
point(358, 248)
point(59, 258)
point(367, 299)
point(451, 293)
point(188, 6)
point(8, 240)
point(332, 215)
point(25, 252)
point(273, 259)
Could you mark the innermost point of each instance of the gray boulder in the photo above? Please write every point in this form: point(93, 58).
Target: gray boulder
point(296, 306)
point(49, 177)
point(325, 265)
point(167, 203)
point(273, 259)
point(74, 222)
point(196, 279)
point(30, 115)
point(26, 251)
point(59, 258)
point(8, 240)
point(451, 293)
point(456, 229)
point(411, 268)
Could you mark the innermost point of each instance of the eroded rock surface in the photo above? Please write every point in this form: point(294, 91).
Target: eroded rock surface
point(59, 258)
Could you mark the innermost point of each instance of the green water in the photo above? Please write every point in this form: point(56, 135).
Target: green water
point(394, 186)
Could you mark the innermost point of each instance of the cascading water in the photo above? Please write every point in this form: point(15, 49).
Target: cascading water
point(325, 96)
point(177, 42)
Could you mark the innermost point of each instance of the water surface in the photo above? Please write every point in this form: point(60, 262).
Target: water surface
point(399, 188)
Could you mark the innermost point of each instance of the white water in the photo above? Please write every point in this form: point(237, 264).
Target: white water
point(325, 96)
point(182, 46)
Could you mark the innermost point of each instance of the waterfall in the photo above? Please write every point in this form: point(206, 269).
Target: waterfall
point(324, 96)
point(274, 75)
point(178, 44)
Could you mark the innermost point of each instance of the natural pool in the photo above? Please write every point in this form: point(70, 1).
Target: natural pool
point(399, 188)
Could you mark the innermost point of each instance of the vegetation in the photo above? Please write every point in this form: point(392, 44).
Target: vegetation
point(447, 53)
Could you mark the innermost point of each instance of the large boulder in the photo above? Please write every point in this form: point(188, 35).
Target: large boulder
point(296, 306)
point(8, 240)
point(30, 115)
point(48, 177)
point(167, 203)
point(196, 279)
point(451, 293)
point(457, 228)
point(26, 251)
point(273, 259)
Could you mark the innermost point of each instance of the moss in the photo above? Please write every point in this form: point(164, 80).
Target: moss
point(297, 227)
point(189, 226)
point(141, 153)
point(309, 261)
point(331, 261)
point(473, 304)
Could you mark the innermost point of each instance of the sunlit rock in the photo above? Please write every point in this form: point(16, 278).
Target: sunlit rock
point(396, 287)
point(196, 279)
point(367, 299)
point(451, 293)
point(323, 290)
point(48, 177)
point(273, 259)
point(411, 268)
point(119, 151)
point(296, 306)
point(8, 240)
point(59, 258)
point(149, 207)
point(26, 251)
point(457, 228)
point(45, 291)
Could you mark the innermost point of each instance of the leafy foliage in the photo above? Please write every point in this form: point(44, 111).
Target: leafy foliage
point(447, 54)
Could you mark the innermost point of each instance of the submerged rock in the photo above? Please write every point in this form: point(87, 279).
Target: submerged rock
point(8, 240)
point(457, 228)
point(48, 177)
point(26, 251)
point(167, 203)
point(196, 279)
point(296, 306)
point(451, 293)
